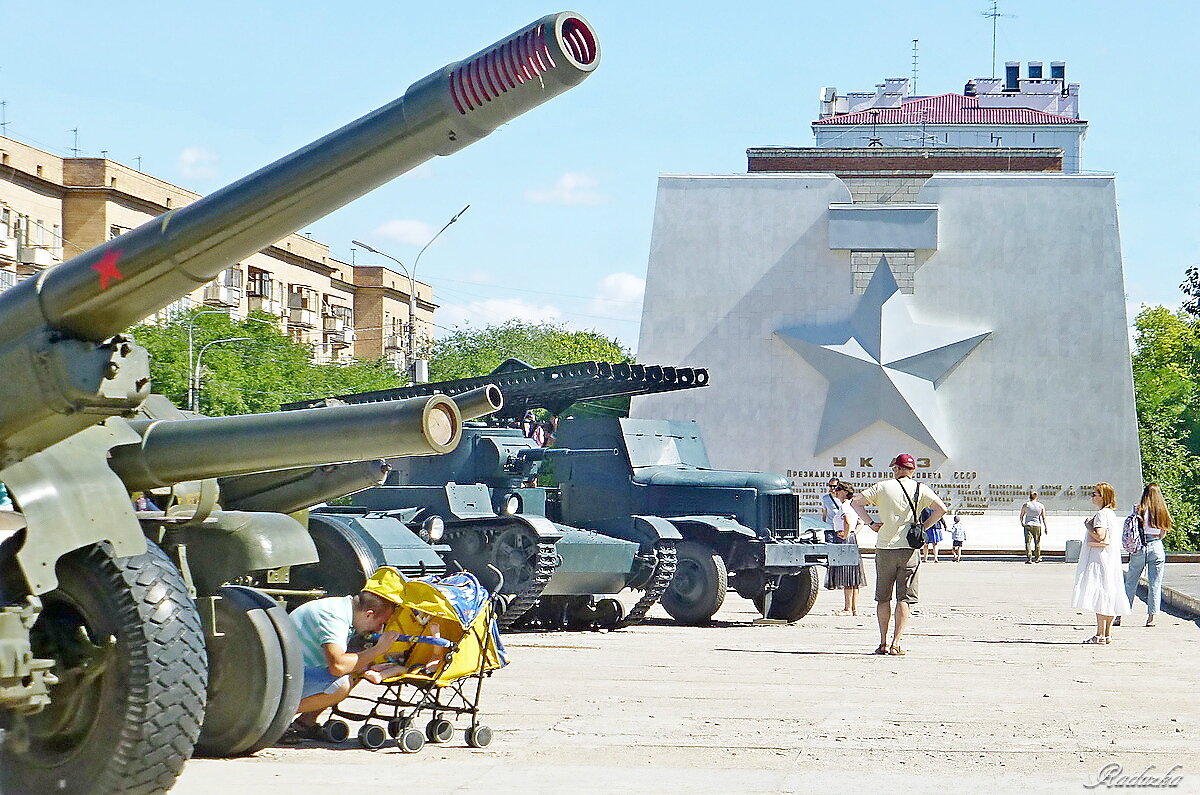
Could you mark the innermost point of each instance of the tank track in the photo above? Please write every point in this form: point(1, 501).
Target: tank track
point(664, 571)
point(544, 566)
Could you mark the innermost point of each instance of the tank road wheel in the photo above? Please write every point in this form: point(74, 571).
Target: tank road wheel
point(439, 730)
point(795, 596)
point(698, 589)
point(256, 673)
point(514, 552)
point(130, 661)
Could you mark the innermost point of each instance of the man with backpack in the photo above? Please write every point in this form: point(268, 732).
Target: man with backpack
point(899, 502)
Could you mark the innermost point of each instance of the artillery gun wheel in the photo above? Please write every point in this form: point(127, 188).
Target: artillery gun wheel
point(795, 596)
point(345, 560)
point(698, 589)
point(131, 664)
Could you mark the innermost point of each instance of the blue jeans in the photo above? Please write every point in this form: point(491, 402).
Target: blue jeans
point(1151, 559)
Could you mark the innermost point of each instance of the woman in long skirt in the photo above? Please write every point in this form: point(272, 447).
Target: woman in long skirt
point(845, 522)
point(1099, 587)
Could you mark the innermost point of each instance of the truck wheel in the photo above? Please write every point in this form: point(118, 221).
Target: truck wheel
point(698, 589)
point(132, 670)
point(795, 596)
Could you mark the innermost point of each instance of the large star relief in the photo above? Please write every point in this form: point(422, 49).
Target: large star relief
point(882, 365)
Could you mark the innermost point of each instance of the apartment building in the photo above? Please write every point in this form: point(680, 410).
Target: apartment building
point(52, 208)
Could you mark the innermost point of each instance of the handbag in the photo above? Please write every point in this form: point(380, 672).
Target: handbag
point(915, 533)
point(1091, 534)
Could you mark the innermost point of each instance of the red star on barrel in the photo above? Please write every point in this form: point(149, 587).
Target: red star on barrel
point(107, 268)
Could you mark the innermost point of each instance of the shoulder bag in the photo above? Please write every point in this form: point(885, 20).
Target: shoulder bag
point(915, 534)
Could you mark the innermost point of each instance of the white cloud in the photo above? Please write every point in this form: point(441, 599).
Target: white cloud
point(571, 188)
point(496, 310)
point(408, 231)
point(619, 295)
point(196, 162)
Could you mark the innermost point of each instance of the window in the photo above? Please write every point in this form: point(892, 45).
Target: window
point(116, 231)
point(232, 277)
point(39, 171)
point(112, 182)
point(39, 233)
point(6, 222)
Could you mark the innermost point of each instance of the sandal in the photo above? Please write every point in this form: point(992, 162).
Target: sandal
point(896, 651)
point(883, 649)
point(1150, 621)
point(841, 612)
point(1094, 640)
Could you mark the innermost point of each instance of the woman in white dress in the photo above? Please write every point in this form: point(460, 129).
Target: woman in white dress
point(1099, 586)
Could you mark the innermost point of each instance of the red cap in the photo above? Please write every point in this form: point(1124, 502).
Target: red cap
point(904, 460)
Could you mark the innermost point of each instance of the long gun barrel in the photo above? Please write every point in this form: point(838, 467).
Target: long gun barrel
point(297, 489)
point(547, 453)
point(103, 291)
point(174, 451)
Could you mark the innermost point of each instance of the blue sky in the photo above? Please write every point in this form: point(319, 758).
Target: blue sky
point(562, 198)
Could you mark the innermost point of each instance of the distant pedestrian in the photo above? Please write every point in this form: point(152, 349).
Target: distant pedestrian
point(933, 537)
point(845, 521)
point(1033, 521)
point(1155, 521)
point(1098, 586)
point(958, 536)
point(830, 506)
point(899, 502)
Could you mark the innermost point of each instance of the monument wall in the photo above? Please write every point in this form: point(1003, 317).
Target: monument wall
point(990, 339)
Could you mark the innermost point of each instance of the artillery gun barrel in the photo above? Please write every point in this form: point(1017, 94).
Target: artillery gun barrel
point(292, 490)
point(103, 291)
point(480, 402)
point(546, 453)
point(174, 451)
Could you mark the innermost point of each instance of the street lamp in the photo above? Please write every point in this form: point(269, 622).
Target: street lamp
point(195, 387)
point(191, 326)
point(412, 289)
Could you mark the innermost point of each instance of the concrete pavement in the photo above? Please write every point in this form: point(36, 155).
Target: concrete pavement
point(996, 694)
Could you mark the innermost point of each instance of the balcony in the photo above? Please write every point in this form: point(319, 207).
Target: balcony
point(340, 339)
point(222, 295)
point(8, 247)
point(262, 303)
point(394, 342)
point(39, 256)
point(306, 318)
point(335, 322)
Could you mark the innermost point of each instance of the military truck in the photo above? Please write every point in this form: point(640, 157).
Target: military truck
point(497, 516)
point(103, 669)
point(739, 529)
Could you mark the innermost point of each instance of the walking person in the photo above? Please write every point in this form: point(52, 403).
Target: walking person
point(1098, 586)
point(899, 502)
point(845, 521)
point(1033, 521)
point(933, 537)
point(958, 536)
point(1155, 521)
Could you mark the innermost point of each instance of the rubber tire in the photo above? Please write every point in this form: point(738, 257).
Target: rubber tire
point(713, 580)
point(795, 596)
point(335, 731)
point(479, 736)
point(149, 705)
point(372, 737)
point(609, 613)
point(439, 730)
point(397, 725)
point(246, 676)
point(411, 740)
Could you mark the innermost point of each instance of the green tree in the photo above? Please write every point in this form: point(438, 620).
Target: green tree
point(470, 352)
point(256, 375)
point(1166, 378)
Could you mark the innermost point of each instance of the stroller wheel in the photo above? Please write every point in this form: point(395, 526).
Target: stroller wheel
point(335, 731)
point(479, 736)
point(411, 740)
point(439, 730)
point(372, 737)
point(397, 725)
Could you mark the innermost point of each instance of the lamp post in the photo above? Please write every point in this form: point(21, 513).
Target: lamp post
point(412, 290)
point(191, 326)
point(195, 388)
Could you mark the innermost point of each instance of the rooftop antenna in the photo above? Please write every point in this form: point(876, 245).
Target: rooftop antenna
point(75, 149)
point(994, 14)
point(875, 140)
point(914, 83)
point(139, 162)
point(4, 118)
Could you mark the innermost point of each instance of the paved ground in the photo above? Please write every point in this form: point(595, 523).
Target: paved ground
point(996, 694)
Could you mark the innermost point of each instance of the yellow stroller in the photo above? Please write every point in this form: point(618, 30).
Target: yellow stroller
point(439, 673)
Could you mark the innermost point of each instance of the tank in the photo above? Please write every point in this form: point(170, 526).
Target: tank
point(739, 529)
point(75, 566)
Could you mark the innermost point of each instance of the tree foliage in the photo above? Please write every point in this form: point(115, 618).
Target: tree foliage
point(255, 375)
point(1166, 378)
point(470, 352)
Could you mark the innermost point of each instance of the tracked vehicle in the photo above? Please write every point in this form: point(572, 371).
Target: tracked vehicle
point(103, 668)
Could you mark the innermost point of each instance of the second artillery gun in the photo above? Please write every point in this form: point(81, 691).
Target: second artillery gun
point(103, 668)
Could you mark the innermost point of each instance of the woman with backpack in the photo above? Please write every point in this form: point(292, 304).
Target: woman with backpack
point(1143, 540)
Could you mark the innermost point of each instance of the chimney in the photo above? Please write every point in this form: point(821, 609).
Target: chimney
point(1035, 70)
point(1012, 75)
point(969, 89)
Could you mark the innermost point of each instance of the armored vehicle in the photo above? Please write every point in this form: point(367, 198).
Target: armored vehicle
point(738, 528)
point(103, 670)
point(497, 515)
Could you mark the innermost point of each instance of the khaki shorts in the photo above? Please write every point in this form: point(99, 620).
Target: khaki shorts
point(896, 569)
